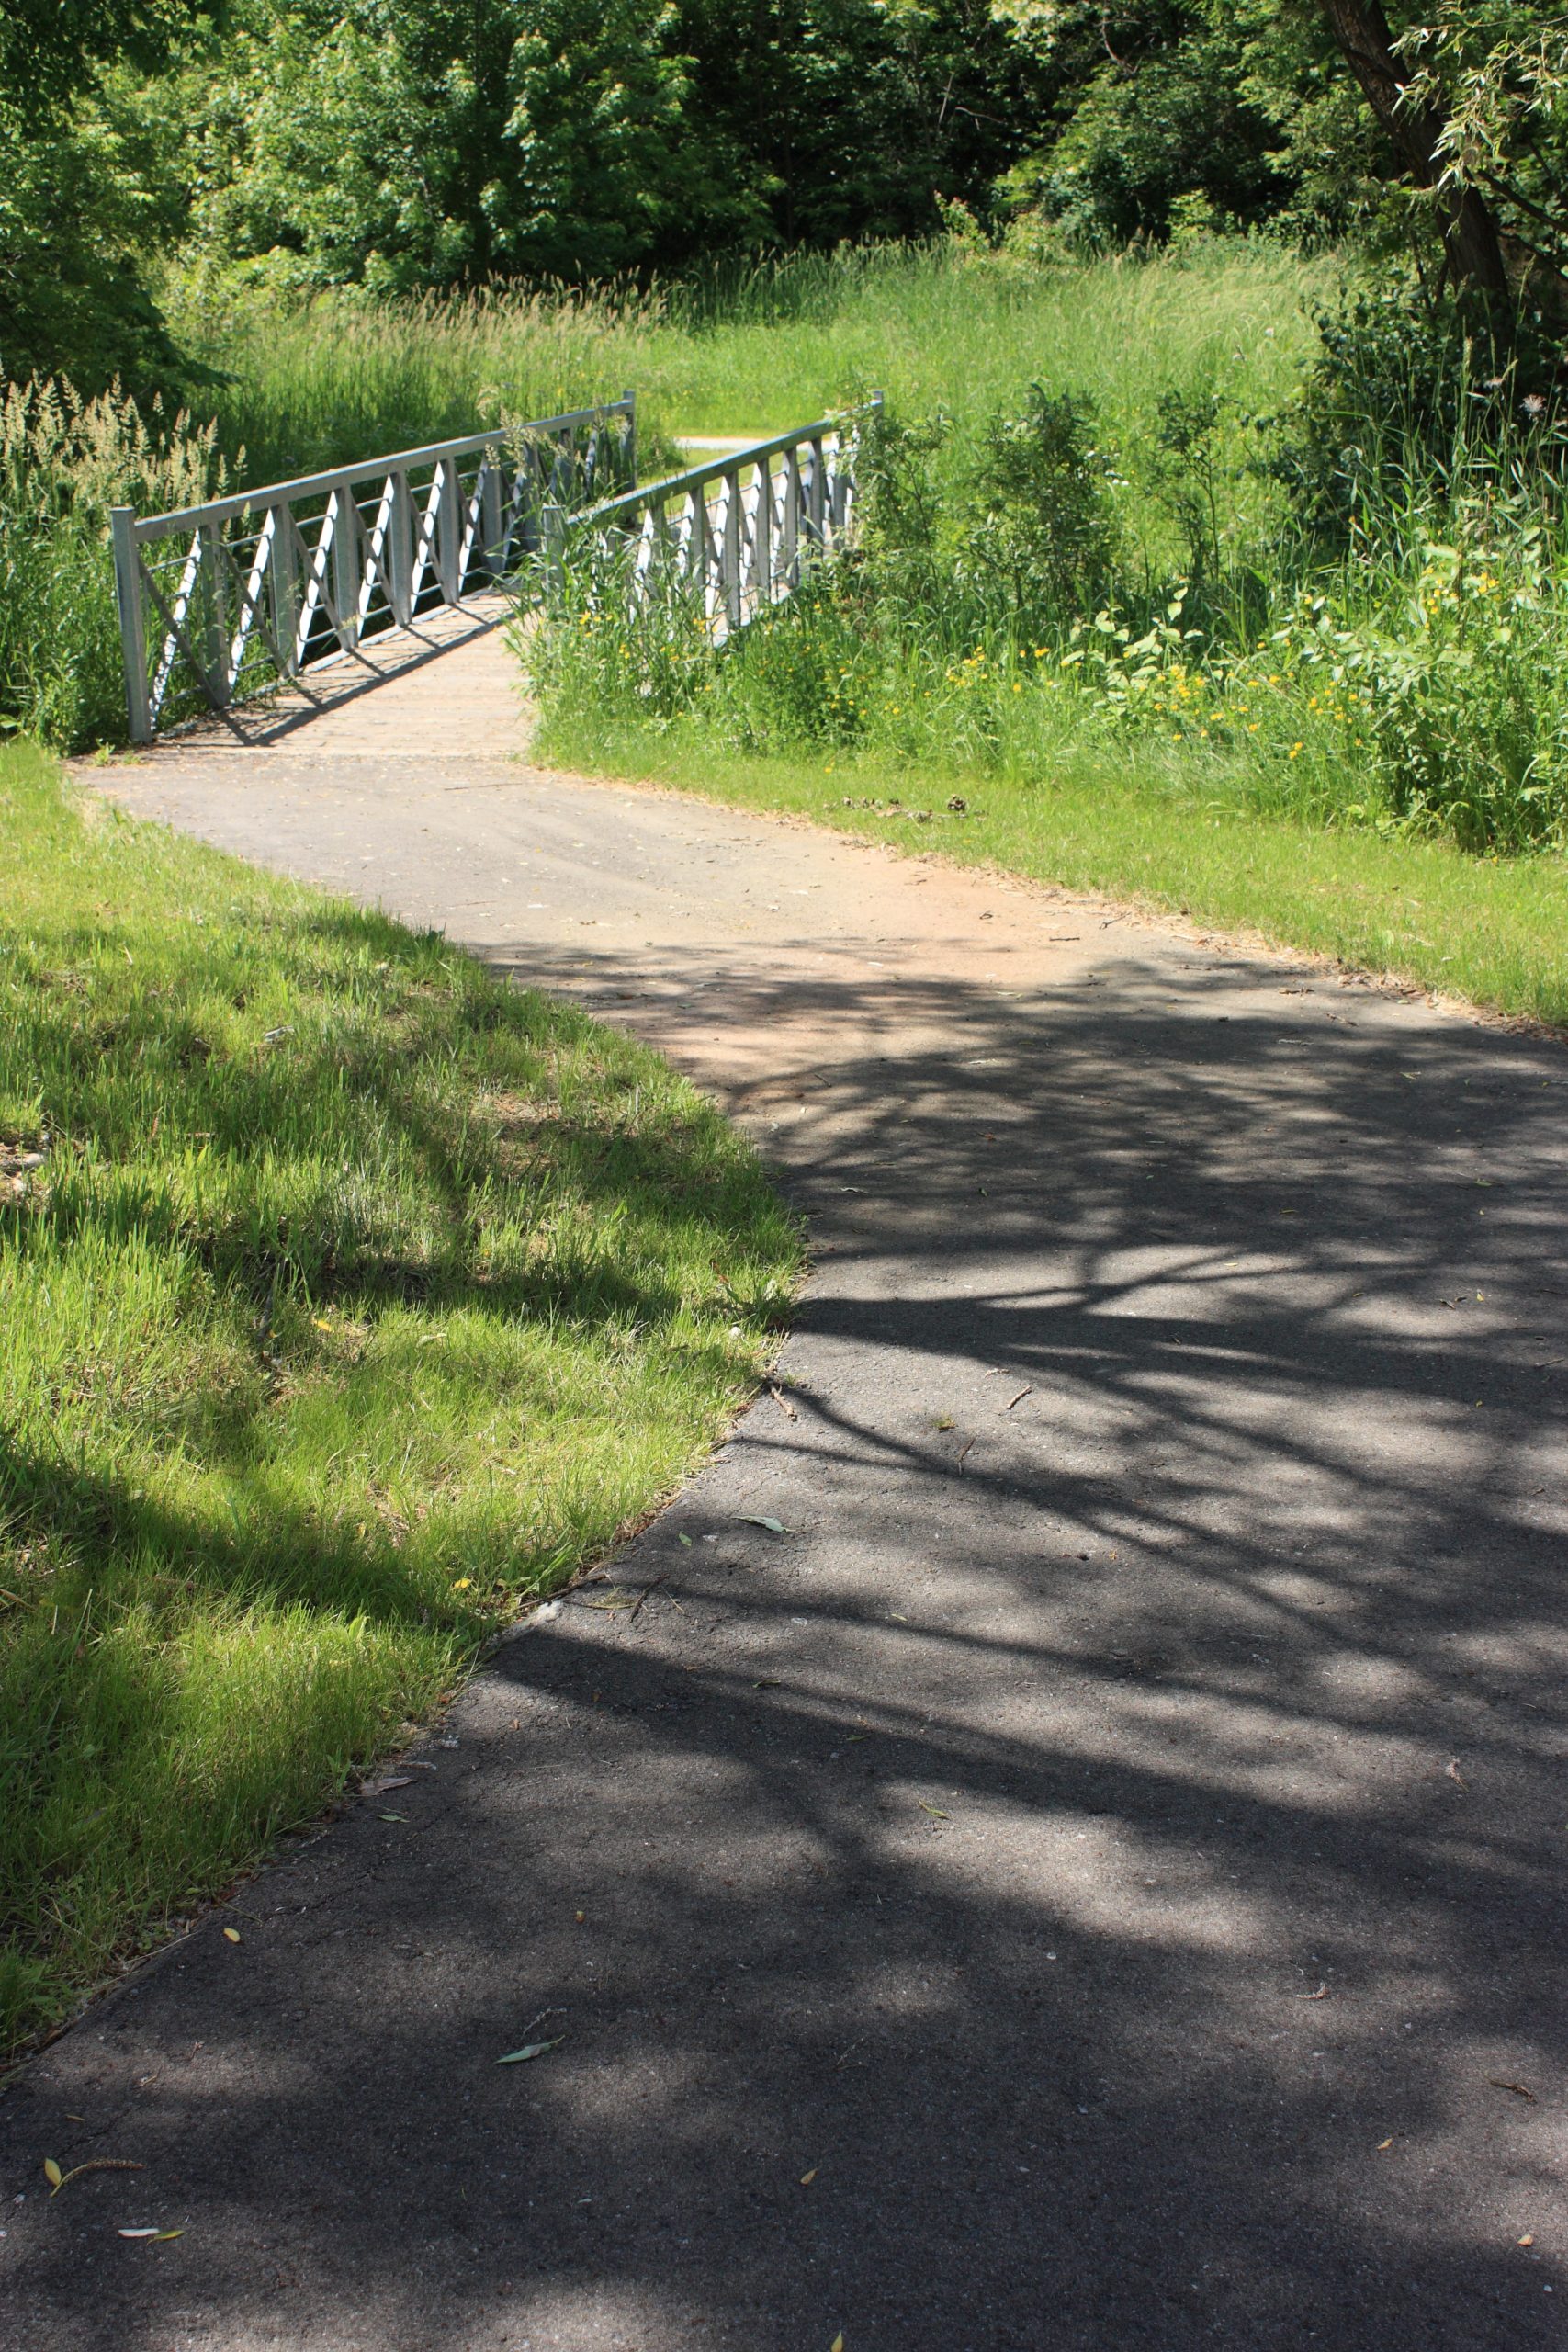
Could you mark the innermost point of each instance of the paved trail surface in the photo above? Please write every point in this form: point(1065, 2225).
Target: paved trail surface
point(1097, 1880)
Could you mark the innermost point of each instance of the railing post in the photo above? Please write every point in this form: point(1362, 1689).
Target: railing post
point(220, 685)
point(284, 588)
point(729, 550)
point(790, 568)
point(816, 499)
point(345, 556)
point(552, 537)
point(528, 499)
point(400, 551)
point(490, 513)
point(629, 396)
point(132, 632)
point(448, 531)
point(762, 533)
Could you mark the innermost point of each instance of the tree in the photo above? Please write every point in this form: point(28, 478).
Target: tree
point(77, 210)
point(1416, 127)
point(49, 48)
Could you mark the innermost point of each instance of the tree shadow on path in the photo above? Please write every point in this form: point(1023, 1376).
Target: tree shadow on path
point(1095, 1881)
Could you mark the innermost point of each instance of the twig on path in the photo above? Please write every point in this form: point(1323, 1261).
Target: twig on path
point(1018, 1399)
point(963, 1452)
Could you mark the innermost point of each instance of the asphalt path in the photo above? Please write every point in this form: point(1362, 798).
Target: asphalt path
point(1095, 1878)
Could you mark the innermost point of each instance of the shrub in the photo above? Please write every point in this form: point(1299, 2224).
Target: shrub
point(1037, 536)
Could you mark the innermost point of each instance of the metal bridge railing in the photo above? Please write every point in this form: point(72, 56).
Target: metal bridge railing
point(219, 601)
point(732, 532)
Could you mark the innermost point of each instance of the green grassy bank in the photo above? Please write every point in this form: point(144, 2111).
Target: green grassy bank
point(348, 1296)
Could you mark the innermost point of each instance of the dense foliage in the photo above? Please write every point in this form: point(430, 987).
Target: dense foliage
point(423, 145)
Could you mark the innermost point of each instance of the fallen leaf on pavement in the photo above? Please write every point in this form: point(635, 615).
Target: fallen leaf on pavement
point(1456, 1775)
point(58, 2180)
point(934, 1809)
point(1382, 2144)
point(165, 2236)
point(837, 2344)
point(760, 1519)
point(1321, 1995)
point(1525, 2241)
point(684, 1541)
point(807, 2178)
point(150, 2232)
point(231, 1935)
point(391, 1781)
point(1520, 2090)
point(380, 1817)
point(530, 2050)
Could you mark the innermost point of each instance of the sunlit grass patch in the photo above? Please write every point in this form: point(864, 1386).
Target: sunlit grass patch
point(349, 1297)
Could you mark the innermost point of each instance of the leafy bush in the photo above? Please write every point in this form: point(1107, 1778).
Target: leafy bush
point(1398, 389)
point(1038, 536)
point(1457, 651)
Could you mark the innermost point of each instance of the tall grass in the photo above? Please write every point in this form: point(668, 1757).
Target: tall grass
point(760, 350)
point(347, 1296)
point(63, 463)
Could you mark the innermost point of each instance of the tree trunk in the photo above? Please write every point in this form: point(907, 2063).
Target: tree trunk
point(1471, 235)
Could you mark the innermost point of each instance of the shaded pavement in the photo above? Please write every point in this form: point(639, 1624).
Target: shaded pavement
point(1096, 1880)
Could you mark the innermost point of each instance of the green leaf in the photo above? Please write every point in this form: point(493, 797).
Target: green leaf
point(530, 2050)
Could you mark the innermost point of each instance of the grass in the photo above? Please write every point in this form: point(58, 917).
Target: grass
point(929, 326)
point(342, 378)
point(1126, 820)
point(350, 1298)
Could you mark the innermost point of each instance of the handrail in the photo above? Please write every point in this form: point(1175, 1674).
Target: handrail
point(749, 452)
point(242, 502)
point(220, 600)
point(743, 550)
